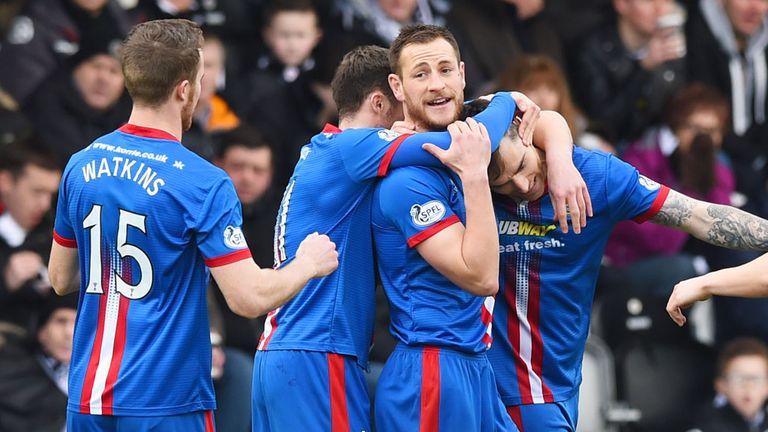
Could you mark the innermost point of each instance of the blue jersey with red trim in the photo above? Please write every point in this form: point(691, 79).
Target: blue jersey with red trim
point(548, 278)
point(409, 206)
point(147, 216)
point(330, 192)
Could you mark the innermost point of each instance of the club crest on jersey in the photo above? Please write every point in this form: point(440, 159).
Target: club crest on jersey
point(427, 213)
point(234, 238)
point(648, 183)
point(388, 135)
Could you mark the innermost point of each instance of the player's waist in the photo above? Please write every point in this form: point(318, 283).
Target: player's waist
point(443, 350)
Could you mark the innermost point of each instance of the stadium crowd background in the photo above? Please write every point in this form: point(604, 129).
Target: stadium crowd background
point(678, 89)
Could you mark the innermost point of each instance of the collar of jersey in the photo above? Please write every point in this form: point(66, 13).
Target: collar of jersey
point(329, 128)
point(147, 132)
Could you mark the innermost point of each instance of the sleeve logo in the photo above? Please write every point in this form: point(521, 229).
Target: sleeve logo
point(234, 238)
point(388, 135)
point(427, 213)
point(648, 183)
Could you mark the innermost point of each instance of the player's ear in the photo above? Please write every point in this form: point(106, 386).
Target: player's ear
point(181, 92)
point(461, 72)
point(376, 101)
point(397, 87)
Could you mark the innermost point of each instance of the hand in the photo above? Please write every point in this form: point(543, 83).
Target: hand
point(665, 45)
point(218, 358)
point(685, 294)
point(531, 113)
point(22, 267)
point(568, 192)
point(470, 150)
point(320, 252)
point(403, 127)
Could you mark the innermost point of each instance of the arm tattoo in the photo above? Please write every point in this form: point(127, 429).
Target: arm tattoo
point(675, 212)
point(736, 229)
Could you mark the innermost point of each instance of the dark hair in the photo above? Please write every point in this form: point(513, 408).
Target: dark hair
point(15, 157)
point(276, 6)
point(241, 136)
point(743, 346)
point(692, 98)
point(53, 302)
point(418, 34)
point(475, 107)
point(362, 71)
point(157, 55)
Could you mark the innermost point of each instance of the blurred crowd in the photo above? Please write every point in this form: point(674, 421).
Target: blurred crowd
point(676, 88)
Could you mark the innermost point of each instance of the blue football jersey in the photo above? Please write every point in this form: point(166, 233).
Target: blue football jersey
point(146, 216)
point(411, 205)
point(330, 192)
point(548, 278)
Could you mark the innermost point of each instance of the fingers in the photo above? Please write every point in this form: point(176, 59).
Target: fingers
point(581, 205)
point(560, 213)
point(675, 312)
point(433, 150)
point(587, 200)
point(576, 212)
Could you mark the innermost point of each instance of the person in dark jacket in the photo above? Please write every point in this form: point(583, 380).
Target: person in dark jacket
point(742, 387)
point(33, 373)
point(46, 34)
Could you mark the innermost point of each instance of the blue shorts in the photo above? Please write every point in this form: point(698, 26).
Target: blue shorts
point(198, 421)
point(307, 390)
point(547, 417)
point(432, 389)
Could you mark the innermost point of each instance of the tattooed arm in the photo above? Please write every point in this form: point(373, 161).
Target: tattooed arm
point(717, 224)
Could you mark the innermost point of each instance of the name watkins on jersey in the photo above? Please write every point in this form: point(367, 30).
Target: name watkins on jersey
point(124, 168)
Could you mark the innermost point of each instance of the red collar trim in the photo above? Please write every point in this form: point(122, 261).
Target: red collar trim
point(329, 128)
point(147, 132)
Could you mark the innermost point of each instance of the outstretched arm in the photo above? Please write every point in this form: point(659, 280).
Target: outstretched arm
point(716, 224)
point(747, 280)
point(251, 291)
point(63, 269)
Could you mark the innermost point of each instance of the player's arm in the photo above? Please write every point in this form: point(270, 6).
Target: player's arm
point(252, 291)
point(63, 269)
point(567, 188)
point(468, 256)
point(716, 224)
point(747, 280)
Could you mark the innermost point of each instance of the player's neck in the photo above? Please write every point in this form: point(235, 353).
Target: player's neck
point(162, 118)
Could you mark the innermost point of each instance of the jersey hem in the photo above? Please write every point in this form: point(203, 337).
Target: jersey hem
point(151, 411)
point(416, 239)
point(63, 241)
point(661, 197)
point(288, 346)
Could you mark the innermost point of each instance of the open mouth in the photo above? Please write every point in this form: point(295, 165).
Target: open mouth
point(439, 102)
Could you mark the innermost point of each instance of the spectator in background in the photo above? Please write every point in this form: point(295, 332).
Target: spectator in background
point(212, 113)
point(684, 154)
point(48, 32)
point(81, 102)
point(742, 387)
point(728, 41)
point(247, 158)
point(33, 376)
point(283, 96)
point(29, 178)
point(493, 33)
point(627, 70)
point(378, 22)
point(543, 81)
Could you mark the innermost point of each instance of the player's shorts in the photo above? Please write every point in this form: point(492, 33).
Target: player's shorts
point(430, 389)
point(547, 417)
point(198, 421)
point(308, 391)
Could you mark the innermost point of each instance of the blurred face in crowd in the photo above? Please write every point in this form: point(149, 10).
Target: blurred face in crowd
point(28, 197)
point(56, 335)
point(213, 68)
point(522, 172)
point(193, 91)
point(430, 84)
point(100, 81)
point(92, 6)
point(292, 35)
point(642, 15)
point(745, 15)
point(543, 95)
point(399, 10)
point(527, 8)
point(745, 383)
point(701, 122)
point(250, 170)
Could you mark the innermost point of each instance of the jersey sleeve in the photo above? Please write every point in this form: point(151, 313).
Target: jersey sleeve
point(369, 153)
point(633, 195)
point(63, 233)
point(416, 202)
point(219, 227)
